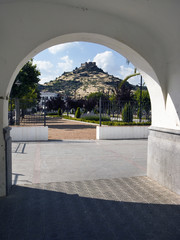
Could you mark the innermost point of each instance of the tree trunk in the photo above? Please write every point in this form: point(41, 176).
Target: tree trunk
point(17, 111)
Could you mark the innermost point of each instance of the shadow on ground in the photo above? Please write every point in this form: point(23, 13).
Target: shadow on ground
point(50, 213)
point(71, 127)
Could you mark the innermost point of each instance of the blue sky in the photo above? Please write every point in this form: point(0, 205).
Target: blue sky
point(55, 60)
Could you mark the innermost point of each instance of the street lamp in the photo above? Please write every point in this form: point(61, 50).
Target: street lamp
point(100, 117)
point(11, 122)
point(140, 105)
point(17, 113)
point(44, 109)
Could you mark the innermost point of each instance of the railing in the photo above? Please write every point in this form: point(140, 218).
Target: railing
point(26, 112)
point(124, 111)
point(33, 112)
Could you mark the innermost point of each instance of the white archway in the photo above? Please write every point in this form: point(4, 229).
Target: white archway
point(146, 32)
point(144, 67)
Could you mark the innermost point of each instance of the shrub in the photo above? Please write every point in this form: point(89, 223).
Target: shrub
point(96, 118)
point(52, 114)
point(59, 112)
point(78, 113)
point(138, 113)
point(127, 114)
point(95, 111)
point(110, 123)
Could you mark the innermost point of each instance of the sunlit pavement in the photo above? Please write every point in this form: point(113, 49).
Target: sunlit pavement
point(74, 160)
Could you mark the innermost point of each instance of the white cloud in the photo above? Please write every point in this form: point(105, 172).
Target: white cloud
point(105, 61)
point(61, 47)
point(44, 65)
point(125, 71)
point(108, 63)
point(47, 78)
point(66, 64)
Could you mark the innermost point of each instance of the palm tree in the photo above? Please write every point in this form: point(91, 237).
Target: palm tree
point(128, 77)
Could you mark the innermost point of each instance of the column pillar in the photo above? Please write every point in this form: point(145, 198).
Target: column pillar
point(3, 124)
point(163, 164)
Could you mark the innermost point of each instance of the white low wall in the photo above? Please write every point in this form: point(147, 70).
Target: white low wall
point(38, 133)
point(121, 132)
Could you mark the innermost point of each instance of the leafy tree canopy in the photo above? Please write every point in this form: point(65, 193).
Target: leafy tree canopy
point(96, 96)
point(26, 82)
point(93, 100)
point(55, 103)
point(145, 96)
point(122, 93)
point(146, 103)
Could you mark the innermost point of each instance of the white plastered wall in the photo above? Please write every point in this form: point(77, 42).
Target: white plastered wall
point(146, 32)
point(140, 31)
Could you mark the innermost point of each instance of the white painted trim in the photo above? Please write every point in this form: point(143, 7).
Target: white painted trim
point(37, 133)
point(121, 132)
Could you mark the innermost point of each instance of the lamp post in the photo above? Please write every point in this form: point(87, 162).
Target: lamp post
point(44, 110)
point(17, 112)
point(100, 112)
point(11, 122)
point(140, 105)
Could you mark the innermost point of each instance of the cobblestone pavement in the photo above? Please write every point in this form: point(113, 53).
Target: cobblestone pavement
point(124, 208)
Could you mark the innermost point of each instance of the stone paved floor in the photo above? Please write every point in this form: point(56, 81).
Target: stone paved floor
point(124, 208)
point(76, 160)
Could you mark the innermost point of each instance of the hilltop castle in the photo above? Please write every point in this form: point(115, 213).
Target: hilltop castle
point(87, 66)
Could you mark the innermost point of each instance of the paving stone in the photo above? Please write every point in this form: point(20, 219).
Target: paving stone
point(75, 160)
point(124, 208)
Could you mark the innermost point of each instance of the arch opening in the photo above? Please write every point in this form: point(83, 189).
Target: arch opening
point(120, 27)
point(57, 41)
point(137, 60)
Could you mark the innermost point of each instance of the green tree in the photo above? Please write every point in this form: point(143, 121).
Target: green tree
point(55, 103)
point(59, 112)
point(93, 100)
point(25, 87)
point(127, 113)
point(128, 77)
point(78, 113)
point(96, 96)
point(123, 89)
point(146, 103)
point(122, 92)
point(26, 82)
